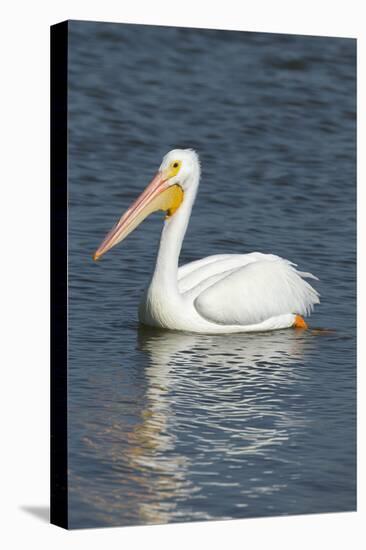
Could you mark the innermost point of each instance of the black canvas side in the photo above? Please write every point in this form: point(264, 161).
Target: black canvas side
point(59, 58)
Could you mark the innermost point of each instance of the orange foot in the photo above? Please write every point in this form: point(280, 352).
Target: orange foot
point(299, 322)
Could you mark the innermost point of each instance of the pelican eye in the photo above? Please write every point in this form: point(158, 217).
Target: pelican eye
point(174, 168)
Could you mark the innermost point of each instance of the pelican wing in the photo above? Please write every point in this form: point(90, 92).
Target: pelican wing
point(255, 292)
point(198, 272)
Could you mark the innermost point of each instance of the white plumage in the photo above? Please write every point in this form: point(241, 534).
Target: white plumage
point(262, 287)
point(218, 294)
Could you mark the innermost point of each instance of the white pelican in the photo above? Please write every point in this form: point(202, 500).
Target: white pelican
point(223, 293)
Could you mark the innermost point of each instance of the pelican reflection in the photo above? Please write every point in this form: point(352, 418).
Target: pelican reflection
point(212, 400)
point(215, 411)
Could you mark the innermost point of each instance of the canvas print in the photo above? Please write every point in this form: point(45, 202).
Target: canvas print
point(203, 274)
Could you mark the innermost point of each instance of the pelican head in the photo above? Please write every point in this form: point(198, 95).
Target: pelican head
point(178, 174)
point(185, 162)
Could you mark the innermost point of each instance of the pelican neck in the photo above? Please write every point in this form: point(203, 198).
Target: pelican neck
point(171, 240)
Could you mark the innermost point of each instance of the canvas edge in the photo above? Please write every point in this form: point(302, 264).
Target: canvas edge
point(58, 255)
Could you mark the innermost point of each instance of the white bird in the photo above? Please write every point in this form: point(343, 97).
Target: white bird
point(223, 293)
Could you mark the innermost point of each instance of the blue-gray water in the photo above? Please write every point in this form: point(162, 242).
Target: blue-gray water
point(166, 426)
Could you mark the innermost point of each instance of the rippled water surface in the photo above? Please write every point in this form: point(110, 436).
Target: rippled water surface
point(167, 426)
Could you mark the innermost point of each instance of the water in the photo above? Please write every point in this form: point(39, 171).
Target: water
point(165, 426)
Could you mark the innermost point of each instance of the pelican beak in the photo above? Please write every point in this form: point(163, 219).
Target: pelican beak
point(158, 195)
